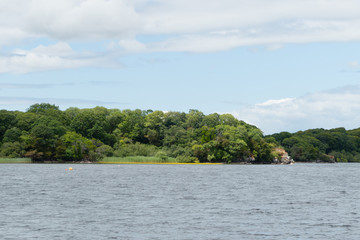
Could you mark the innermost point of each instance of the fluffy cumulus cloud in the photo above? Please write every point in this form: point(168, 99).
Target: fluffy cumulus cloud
point(329, 109)
point(185, 25)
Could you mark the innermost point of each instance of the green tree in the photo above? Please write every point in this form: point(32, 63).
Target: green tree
point(7, 120)
point(74, 147)
point(207, 134)
point(42, 108)
point(194, 119)
point(174, 119)
point(228, 119)
point(26, 120)
point(42, 139)
point(133, 126)
point(175, 135)
point(12, 135)
point(49, 110)
point(154, 124)
point(12, 150)
point(211, 120)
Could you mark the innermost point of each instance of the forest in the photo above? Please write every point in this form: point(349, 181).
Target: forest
point(46, 133)
point(333, 145)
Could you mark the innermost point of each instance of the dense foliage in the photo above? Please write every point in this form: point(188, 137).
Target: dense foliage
point(44, 132)
point(335, 145)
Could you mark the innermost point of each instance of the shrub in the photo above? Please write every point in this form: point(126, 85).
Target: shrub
point(162, 155)
point(105, 150)
point(12, 150)
point(186, 159)
point(137, 149)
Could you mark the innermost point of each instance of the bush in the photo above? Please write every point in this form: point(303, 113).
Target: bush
point(74, 147)
point(137, 149)
point(162, 155)
point(186, 159)
point(12, 150)
point(326, 158)
point(105, 150)
point(175, 151)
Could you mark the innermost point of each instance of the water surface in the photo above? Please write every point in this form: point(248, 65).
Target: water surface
point(301, 201)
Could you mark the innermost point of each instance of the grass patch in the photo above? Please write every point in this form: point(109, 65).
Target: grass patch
point(15, 160)
point(146, 160)
point(137, 159)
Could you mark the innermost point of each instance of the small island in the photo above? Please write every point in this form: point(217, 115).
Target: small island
point(44, 133)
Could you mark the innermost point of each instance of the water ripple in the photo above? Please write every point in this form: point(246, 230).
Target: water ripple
point(302, 201)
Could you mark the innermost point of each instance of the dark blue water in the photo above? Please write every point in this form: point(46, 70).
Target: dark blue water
point(301, 201)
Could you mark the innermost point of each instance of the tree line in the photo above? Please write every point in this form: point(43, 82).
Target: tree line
point(46, 133)
point(333, 145)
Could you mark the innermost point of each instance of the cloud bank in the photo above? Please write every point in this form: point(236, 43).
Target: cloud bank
point(184, 25)
point(328, 109)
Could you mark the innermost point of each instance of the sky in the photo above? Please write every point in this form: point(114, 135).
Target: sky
point(282, 65)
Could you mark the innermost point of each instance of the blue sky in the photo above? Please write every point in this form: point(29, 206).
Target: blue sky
point(283, 65)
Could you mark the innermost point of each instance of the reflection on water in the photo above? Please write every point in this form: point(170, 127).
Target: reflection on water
point(301, 201)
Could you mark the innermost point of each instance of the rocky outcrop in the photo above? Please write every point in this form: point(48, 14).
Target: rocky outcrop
point(283, 158)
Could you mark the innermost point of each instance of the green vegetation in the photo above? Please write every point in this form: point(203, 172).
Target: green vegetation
point(45, 133)
point(334, 145)
point(15, 160)
point(138, 159)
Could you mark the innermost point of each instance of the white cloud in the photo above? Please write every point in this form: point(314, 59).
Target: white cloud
point(82, 19)
point(212, 25)
point(109, 19)
point(131, 45)
point(11, 35)
point(330, 109)
point(43, 58)
point(59, 49)
point(273, 35)
point(354, 64)
point(185, 25)
point(276, 102)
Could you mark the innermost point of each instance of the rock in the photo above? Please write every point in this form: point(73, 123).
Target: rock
point(285, 158)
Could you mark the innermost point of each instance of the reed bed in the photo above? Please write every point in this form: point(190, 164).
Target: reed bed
point(137, 159)
point(15, 160)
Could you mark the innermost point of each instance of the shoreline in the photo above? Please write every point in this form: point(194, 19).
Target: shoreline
point(28, 161)
point(125, 163)
point(158, 163)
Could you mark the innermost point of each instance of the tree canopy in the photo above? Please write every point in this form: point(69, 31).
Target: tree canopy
point(44, 132)
point(334, 145)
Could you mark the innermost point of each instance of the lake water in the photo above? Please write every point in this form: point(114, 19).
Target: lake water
point(300, 201)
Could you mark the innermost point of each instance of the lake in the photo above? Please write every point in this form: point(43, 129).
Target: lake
point(300, 201)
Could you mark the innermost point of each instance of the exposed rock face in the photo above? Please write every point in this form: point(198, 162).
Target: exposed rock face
point(284, 157)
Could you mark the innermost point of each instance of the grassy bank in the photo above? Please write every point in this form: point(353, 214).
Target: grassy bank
point(15, 160)
point(115, 160)
point(137, 159)
point(143, 160)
